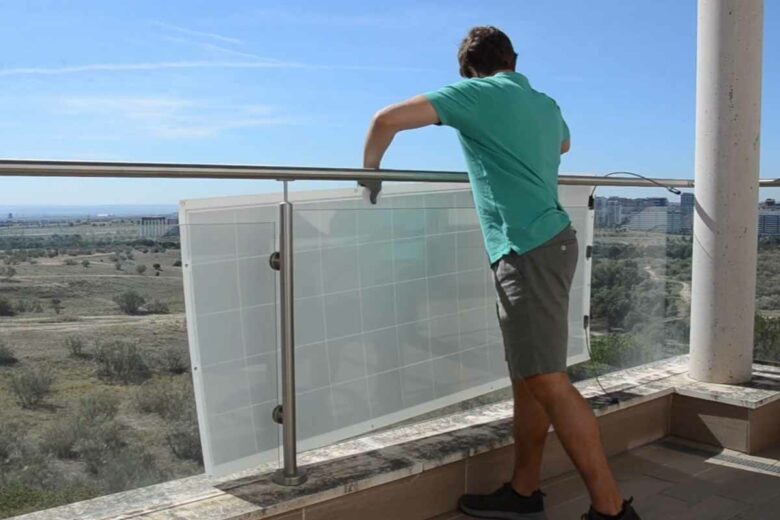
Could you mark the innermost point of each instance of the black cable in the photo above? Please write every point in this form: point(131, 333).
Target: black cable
point(670, 189)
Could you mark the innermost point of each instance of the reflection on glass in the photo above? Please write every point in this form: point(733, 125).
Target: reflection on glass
point(641, 283)
point(767, 324)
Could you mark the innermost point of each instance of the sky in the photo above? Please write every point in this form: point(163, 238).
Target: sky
point(295, 83)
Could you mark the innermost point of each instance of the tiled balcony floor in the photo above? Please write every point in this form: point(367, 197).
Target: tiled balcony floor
point(673, 480)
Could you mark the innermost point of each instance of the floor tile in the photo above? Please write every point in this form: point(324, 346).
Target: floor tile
point(671, 480)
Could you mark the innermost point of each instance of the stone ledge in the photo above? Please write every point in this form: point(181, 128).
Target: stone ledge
point(399, 453)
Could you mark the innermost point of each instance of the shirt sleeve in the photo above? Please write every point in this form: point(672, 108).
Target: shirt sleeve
point(453, 104)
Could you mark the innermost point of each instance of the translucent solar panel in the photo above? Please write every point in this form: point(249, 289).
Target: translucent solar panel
point(230, 296)
point(395, 307)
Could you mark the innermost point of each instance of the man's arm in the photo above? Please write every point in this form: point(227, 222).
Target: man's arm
point(413, 113)
point(565, 146)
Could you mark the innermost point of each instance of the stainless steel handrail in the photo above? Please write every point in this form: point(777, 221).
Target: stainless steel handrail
point(31, 168)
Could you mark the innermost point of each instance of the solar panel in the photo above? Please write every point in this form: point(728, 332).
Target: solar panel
point(394, 312)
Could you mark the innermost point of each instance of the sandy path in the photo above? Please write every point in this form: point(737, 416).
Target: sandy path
point(91, 322)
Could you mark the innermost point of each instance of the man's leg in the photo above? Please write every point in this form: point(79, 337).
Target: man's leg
point(531, 425)
point(577, 428)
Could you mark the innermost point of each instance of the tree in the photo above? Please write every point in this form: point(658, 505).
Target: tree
point(130, 302)
point(157, 267)
point(85, 263)
point(140, 269)
point(56, 305)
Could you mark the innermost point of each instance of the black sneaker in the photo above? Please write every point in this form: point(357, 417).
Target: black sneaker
point(627, 513)
point(504, 504)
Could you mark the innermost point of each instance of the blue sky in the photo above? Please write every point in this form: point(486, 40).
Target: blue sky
point(296, 82)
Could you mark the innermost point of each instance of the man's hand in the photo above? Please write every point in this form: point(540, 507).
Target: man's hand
point(373, 187)
point(413, 113)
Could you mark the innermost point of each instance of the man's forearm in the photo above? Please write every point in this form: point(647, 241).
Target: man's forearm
point(413, 113)
point(379, 138)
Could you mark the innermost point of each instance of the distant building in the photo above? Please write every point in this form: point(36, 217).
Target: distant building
point(769, 223)
point(687, 206)
point(687, 203)
point(155, 227)
point(614, 214)
point(649, 219)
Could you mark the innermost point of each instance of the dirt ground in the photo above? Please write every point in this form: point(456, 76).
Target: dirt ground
point(37, 338)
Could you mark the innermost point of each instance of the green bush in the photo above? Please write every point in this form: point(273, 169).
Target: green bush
point(99, 407)
point(89, 432)
point(6, 308)
point(71, 262)
point(767, 339)
point(31, 385)
point(130, 302)
point(76, 347)
point(121, 362)
point(100, 443)
point(614, 350)
point(56, 305)
point(184, 439)
point(23, 306)
point(158, 307)
point(60, 439)
point(10, 434)
point(170, 398)
point(129, 468)
point(175, 361)
point(7, 355)
point(140, 269)
point(18, 498)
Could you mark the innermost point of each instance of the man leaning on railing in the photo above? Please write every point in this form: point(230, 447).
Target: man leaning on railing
point(513, 137)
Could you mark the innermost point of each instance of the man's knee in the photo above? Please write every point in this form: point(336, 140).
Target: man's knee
point(546, 387)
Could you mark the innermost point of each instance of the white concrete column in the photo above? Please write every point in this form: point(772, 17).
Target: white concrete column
point(728, 125)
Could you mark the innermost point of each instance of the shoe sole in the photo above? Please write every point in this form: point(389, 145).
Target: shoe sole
point(502, 515)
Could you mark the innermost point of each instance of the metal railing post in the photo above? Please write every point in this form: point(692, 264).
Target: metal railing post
point(289, 475)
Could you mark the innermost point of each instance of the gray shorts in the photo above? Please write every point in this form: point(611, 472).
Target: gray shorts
point(533, 305)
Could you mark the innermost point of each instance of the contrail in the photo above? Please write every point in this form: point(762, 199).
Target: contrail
point(120, 67)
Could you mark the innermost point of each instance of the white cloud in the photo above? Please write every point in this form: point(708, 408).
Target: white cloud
point(210, 47)
point(202, 34)
point(130, 67)
point(174, 118)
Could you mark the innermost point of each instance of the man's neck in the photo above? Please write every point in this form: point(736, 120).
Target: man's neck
point(498, 72)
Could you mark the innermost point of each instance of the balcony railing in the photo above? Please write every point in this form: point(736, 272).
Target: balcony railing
point(95, 342)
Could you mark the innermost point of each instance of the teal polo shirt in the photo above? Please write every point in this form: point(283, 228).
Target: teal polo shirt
point(511, 136)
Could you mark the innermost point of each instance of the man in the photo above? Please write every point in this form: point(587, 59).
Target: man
point(513, 137)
